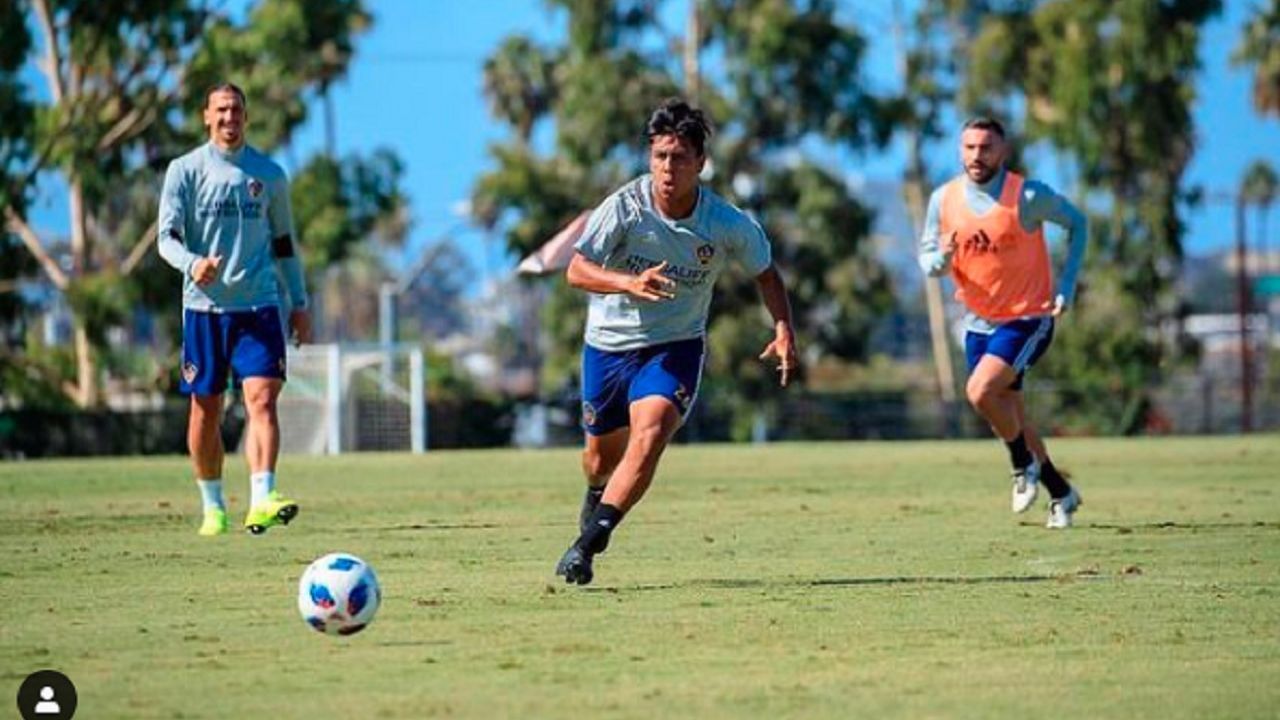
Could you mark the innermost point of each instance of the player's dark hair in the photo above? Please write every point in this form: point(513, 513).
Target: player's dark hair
point(677, 117)
point(984, 122)
point(223, 87)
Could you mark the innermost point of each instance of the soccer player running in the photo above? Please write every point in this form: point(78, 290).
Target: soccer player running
point(985, 226)
point(649, 258)
point(225, 224)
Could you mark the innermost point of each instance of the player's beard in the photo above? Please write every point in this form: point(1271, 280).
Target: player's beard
point(980, 174)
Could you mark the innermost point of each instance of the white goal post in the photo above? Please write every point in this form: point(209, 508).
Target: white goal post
point(351, 397)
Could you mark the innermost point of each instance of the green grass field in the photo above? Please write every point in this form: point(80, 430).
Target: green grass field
point(823, 580)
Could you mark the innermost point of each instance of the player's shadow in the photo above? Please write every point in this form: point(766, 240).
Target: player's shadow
point(939, 580)
point(756, 583)
point(420, 527)
point(1124, 528)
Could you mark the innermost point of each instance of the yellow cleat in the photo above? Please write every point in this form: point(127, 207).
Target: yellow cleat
point(215, 522)
point(275, 510)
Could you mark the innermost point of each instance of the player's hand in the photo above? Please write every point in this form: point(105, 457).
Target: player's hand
point(949, 247)
point(205, 270)
point(783, 347)
point(652, 285)
point(1059, 306)
point(300, 325)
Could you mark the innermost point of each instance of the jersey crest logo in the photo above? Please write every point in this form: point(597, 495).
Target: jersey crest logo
point(255, 188)
point(705, 253)
point(588, 414)
point(189, 372)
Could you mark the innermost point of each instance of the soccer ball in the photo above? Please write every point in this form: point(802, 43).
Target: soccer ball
point(339, 594)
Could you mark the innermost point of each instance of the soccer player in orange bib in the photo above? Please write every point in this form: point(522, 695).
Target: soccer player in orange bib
point(985, 227)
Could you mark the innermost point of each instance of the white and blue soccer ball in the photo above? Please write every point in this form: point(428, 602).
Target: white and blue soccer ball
point(339, 594)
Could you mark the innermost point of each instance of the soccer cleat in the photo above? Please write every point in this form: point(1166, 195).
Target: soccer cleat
point(1062, 510)
point(1026, 485)
point(275, 510)
point(215, 522)
point(575, 566)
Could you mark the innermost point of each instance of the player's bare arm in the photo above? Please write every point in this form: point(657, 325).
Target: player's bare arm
point(650, 285)
point(783, 345)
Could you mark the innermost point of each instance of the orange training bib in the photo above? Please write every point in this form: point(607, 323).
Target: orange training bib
point(1001, 271)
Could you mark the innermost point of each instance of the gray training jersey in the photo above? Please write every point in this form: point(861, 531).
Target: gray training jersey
point(236, 205)
point(627, 233)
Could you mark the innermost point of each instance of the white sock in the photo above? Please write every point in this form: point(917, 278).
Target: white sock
point(211, 494)
point(260, 485)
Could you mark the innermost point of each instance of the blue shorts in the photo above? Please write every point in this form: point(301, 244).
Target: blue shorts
point(244, 344)
point(1020, 343)
point(611, 381)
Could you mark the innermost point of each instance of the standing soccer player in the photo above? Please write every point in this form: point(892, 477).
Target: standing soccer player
point(225, 224)
point(649, 258)
point(985, 226)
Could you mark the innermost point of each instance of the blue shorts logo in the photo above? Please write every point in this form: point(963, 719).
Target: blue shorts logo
point(682, 397)
point(588, 414)
point(189, 372)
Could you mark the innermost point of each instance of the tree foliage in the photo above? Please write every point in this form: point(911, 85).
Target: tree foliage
point(124, 82)
point(1260, 48)
point(16, 114)
point(788, 74)
point(282, 51)
point(1109, 86)
point(340, 203)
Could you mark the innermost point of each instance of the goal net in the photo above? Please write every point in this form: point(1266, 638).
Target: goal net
point(348, 398)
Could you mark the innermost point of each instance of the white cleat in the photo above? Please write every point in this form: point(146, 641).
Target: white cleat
point(1062, 510)
point(1026, 486)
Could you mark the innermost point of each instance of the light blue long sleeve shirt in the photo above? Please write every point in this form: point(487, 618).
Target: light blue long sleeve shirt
point(1037, 204)
point(234, 205)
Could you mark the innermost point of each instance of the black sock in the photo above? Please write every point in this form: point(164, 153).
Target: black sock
point(603, 521)
point(1054, 481)
point(589, 503)
point(1018, 453)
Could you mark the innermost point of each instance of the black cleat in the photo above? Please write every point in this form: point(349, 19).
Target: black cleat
point(575, 566)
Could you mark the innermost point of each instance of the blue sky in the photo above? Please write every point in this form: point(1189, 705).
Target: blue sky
point(415, 86)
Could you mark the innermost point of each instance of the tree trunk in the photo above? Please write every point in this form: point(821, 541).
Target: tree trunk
point(692, 73)
point(1243, 310)
point(330, 123)
point(86, 391)
point(944, 372)
point(913, 190)
point(79, 239)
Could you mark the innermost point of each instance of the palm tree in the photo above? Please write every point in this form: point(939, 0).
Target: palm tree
point(1260, 47)
point(331, 27)
point(1257, 186)
point(1260, 187)
point(519, 82)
